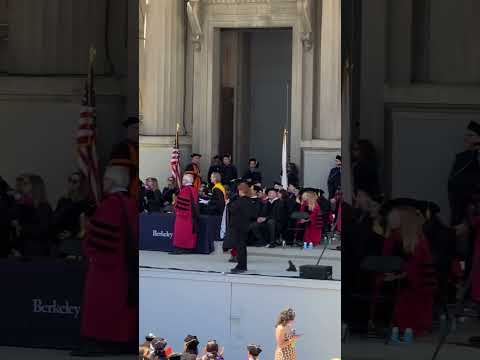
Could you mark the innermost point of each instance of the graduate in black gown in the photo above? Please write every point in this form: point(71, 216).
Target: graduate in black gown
point(242, 214)
point(253, 175)
point(465, 175)
point(335, 178)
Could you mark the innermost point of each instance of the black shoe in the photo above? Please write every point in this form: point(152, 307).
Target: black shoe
point(237, 270)
point(270, 246)
point(233, 259)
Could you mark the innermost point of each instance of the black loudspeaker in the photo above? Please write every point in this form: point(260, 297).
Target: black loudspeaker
point(316, 272)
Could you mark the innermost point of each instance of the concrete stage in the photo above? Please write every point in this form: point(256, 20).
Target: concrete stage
point(195, 294)
point(261, 261)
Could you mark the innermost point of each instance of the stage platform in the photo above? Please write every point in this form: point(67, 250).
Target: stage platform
point(261, 261)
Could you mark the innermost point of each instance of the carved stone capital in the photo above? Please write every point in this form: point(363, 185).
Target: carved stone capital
point(193, 13)
point(305, 13)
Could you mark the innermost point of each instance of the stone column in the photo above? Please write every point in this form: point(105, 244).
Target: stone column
point(327, 123)
point(163, 91)
point(320, 150)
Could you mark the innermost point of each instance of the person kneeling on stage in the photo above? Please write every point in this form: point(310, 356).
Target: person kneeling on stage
point(187, 217)
point(242, 214)
point(272, 216)
point(110, 307)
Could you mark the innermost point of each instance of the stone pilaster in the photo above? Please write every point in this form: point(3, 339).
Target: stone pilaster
point(327, 121)
point(163, 92)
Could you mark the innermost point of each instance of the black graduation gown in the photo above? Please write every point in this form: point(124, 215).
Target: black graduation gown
point(463, 180)
point(241, 214)
point(334, 181)
point(229, 173)
point(216, 203)
point(254, 177)
point(365, 177)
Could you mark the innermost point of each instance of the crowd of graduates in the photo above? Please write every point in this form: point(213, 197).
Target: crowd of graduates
point(402, 264)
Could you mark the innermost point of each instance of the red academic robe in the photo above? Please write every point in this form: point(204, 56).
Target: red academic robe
point(314, 230)
point(414, 301)
point(106, 313)
point(476, 263)
point(185, 234)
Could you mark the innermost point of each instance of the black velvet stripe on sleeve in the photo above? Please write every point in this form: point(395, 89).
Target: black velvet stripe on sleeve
point(104, 226)
point(104, 236)
point(102, 247)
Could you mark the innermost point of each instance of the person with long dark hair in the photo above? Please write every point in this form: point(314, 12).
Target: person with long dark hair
point(35, 219)
point(69, 215)
point(190, 351)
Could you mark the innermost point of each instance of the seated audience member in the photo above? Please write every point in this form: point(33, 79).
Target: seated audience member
point(194, 169)
point(69, 215)
point(212, 351)
point(216, 202)
point(253, 174)
point(35, 219)
point(190, 350)
point(254, 352)
point(413, 314)
point(7, 216)
point(326, 208)
point(228, 171)
point(170, 191)
point(277, 186)
point(335, 178)
point(153, 195)
point(272, 217)
point(216, 166)
point(314, 225)
point(159, 350)
point(292, 174)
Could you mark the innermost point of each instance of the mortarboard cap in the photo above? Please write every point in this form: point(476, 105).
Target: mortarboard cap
point(189, 339)
point(195, 154)
point(475, 127)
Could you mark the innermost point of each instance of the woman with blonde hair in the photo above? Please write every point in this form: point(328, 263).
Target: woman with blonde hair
point(285, 336)
point(314, 225)
point(404, 237)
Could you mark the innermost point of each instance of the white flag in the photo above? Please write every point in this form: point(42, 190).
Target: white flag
point(284, 161)
point(223, 227)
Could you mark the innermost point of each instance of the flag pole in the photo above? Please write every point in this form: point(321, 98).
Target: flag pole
point(91, 61)
point(176, 136)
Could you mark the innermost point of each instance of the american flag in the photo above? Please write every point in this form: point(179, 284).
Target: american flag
point(175, 166)
point(86, 139)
